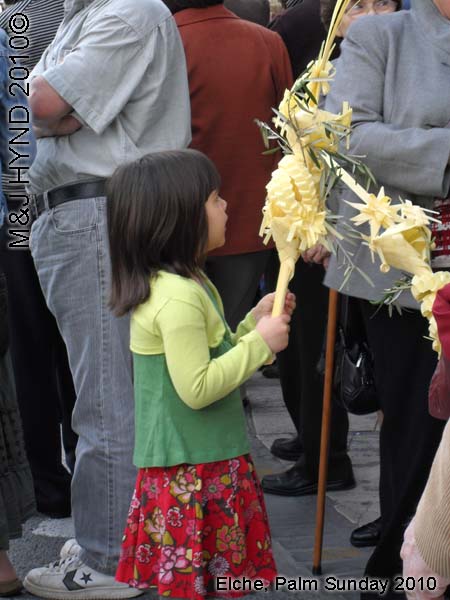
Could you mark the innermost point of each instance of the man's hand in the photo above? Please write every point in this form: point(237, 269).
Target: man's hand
point(318, 254)
point(66, 126)
point(414, 566)
point(265, 306)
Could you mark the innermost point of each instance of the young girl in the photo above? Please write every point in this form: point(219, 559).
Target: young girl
point(197, 512)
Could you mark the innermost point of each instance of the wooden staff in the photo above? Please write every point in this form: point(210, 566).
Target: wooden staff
point(326, 429)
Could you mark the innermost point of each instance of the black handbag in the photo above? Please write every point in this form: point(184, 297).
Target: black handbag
point(354, 382)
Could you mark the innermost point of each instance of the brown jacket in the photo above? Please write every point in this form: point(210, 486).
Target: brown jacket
point(237, 72)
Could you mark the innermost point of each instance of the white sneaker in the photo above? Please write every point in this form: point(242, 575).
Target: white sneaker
point(70, 548)
point(71, 578)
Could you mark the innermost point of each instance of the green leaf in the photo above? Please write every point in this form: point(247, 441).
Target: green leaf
point(271, 151)
point(314, 158)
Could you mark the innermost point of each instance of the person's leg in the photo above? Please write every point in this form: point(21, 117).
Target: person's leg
point(39, 358)
point(302, 386)
point(7, 571)
point(16, 487)
point(289, 360)
point(67, 397)
point(70, 249)
point(237, 278)
point(10, 585)
point(404, 363)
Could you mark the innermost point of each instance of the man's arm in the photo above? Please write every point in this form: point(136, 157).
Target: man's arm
point(413, 159)
point(50, 111)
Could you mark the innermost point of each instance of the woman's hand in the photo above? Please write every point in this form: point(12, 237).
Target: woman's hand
point(265, 306)
point(318, 254)
point(414, 566)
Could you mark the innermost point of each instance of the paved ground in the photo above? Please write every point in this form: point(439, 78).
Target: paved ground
point(292, 519)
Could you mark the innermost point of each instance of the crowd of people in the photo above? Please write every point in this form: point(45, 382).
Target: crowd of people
point(146, 177)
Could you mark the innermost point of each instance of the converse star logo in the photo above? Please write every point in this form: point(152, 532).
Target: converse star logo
point(69, 582)
point(86, 577)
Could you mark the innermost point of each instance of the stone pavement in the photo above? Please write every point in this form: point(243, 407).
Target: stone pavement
point(292, 519)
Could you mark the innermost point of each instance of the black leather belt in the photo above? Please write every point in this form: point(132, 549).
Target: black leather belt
point(66, 193)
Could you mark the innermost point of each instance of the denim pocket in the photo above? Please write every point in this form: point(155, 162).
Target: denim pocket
point(75, 217)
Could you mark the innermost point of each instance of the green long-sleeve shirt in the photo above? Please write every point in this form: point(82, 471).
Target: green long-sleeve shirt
point(188, 368)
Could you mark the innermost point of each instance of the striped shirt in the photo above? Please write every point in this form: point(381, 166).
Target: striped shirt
point(44, 17)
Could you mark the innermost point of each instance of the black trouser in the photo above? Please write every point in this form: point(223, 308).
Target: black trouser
point(45, 391)
point(4, 335)
point(301, 384)
point(404, 363)
point(237, 278)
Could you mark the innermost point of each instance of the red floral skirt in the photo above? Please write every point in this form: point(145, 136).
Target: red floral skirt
point(192, 529)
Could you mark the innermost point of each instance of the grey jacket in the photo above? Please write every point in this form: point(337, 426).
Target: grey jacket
point(395, 72)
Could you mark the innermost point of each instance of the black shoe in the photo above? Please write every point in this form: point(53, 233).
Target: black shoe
point(287, 448)
point(271, 371)
point(366, 535)
point(293, 483)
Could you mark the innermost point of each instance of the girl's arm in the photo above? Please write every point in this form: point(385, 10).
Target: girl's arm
point(244, 327)
point(198, 379)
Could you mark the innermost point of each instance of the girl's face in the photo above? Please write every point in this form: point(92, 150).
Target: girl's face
point(359, 8)
point(443, 7)
point(216, 214)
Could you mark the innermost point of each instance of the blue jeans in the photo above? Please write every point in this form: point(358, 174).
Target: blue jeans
point(70, 249)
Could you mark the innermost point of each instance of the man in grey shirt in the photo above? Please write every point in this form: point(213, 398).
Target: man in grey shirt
point(111, 88)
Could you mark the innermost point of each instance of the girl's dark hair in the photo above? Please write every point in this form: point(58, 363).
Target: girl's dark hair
point(327, 8)
point(157, 220)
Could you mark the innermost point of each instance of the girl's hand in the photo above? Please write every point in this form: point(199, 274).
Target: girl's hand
point(265, 306)
point(275, 331)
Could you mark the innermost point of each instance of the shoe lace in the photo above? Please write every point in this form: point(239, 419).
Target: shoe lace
point(61, 565)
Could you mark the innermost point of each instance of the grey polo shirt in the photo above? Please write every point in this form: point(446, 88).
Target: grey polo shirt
point(120, 64)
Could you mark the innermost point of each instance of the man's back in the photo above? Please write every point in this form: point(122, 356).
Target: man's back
point(237, 72)
point(302, 31)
